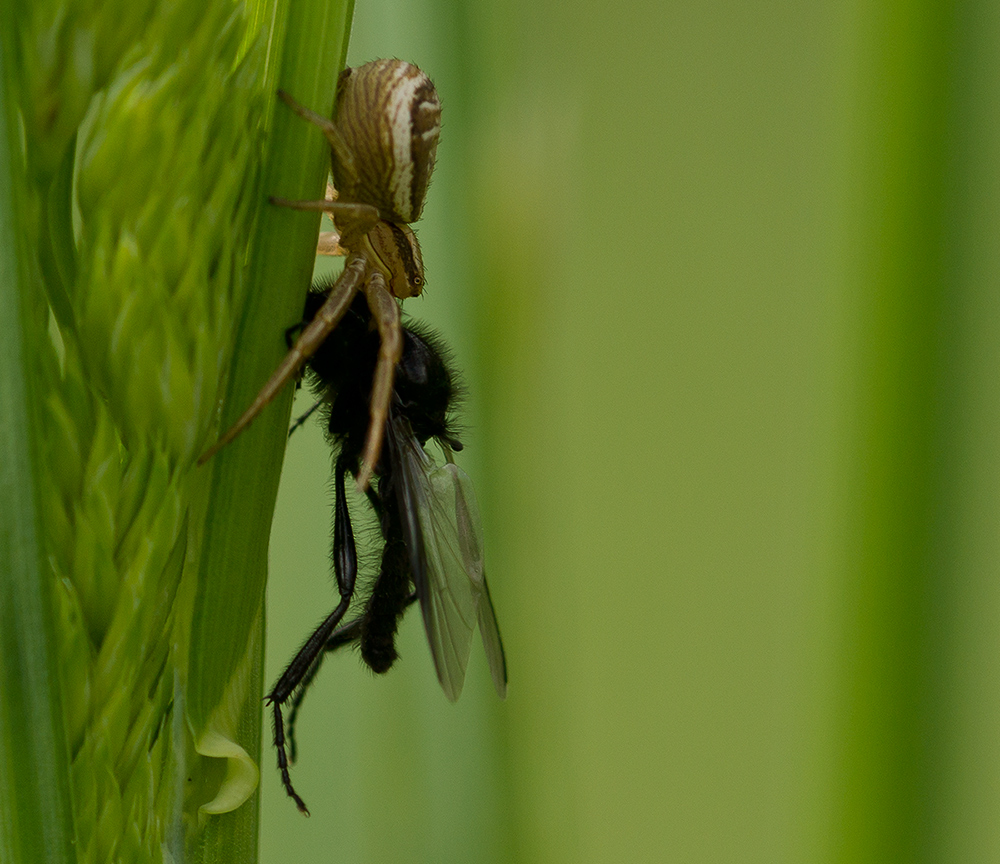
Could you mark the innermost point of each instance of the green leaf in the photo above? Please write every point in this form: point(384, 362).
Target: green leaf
point(244, 475)
point(35, 814)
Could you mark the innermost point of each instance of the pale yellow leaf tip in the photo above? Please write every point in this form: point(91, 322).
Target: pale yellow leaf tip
point(242, 774)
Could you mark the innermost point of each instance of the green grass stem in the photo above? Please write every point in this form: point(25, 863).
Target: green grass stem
point(139, 143)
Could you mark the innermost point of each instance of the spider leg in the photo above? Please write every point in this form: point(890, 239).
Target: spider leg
point(305, 346)
point(329, 241)
point(345, 565)
point(352, 219)
point(385, 311)
point(344, 154)
point(352, 211)
point(329, 244)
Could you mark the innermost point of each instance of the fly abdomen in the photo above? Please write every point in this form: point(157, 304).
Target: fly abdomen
point(387, 603)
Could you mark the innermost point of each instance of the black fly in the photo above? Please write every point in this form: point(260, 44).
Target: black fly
point(427, 513)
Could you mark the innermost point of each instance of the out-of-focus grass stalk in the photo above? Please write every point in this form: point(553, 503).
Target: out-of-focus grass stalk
point(921, 219)
point(137, 245)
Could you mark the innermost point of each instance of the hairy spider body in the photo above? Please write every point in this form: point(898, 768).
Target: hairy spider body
point(432, 539)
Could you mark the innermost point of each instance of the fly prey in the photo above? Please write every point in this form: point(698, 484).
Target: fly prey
point(429, 521)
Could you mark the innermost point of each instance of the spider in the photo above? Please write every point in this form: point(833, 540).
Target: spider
point(383, 143)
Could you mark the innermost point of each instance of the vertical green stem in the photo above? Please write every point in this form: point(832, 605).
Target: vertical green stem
point(897, 578)
point(35, 823)
point(311, 49)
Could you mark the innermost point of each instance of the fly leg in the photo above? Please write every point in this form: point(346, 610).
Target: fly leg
point(301, 419)
point(345, 565)
point(343, 635)
point(290, 336)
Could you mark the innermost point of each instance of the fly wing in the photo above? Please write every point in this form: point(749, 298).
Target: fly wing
point(446, 541)
point(447, 600)
point(470, 536)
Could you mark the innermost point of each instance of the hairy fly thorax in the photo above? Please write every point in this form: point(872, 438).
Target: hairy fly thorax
point(389, 117)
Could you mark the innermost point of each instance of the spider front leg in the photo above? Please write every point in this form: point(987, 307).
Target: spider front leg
point(305, 346)
point(385, 312)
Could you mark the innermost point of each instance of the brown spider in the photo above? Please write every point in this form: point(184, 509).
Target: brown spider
point(383, 142)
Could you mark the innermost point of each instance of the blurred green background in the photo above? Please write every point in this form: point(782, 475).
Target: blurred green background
point(721, 278)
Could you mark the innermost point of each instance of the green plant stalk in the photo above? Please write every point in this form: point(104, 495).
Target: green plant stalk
point(244, 484)
point(112, 539)
point(897, 573)
point(35, 811)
